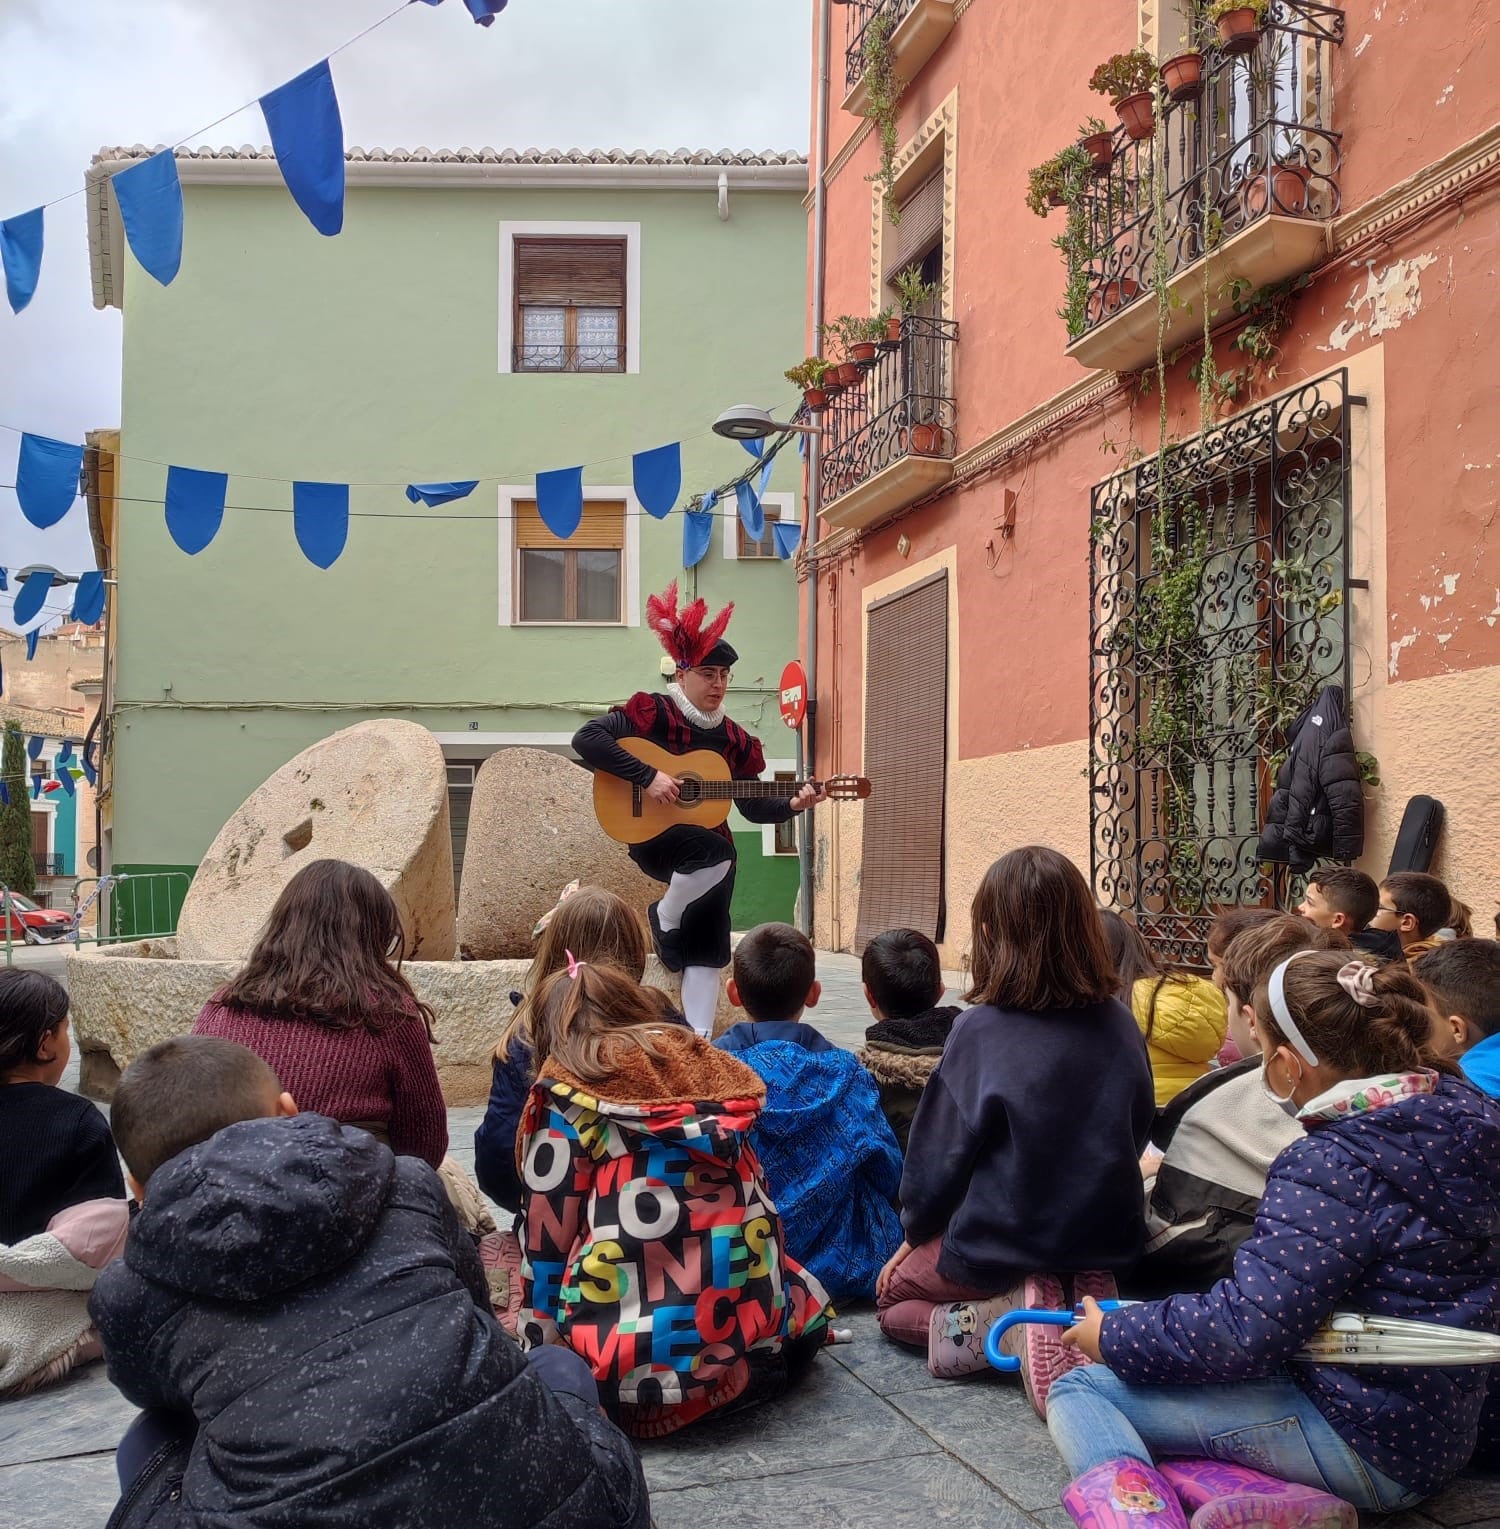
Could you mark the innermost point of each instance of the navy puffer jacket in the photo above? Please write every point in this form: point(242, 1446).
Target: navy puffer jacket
point(311, 1301)
point(1394, 1212)
point(1318, 806)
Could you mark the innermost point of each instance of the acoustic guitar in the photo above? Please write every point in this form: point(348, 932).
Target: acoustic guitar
point(628, 815)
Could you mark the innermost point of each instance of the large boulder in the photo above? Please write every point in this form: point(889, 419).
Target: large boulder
point(126, 998)
point(375, 794)
point(532, 830)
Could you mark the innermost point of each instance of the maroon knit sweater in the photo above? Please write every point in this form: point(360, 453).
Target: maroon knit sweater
point(352, 1076)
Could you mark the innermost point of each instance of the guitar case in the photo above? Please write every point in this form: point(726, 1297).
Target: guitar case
point(1416, 841)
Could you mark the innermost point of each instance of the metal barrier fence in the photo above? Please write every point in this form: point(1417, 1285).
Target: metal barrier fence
point(125, 907)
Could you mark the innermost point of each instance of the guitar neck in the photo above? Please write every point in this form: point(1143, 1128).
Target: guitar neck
point(747, 790)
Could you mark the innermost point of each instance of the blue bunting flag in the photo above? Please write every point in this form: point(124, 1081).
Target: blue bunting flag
point(47, 476)
point(320, 516)
point(4, 794)
point(31, 638)
point(65, 780)
point(4, 581)
point(150, 199)
point(432, 494)
point(88, 598)
point(752, 512)
point(658, 479)
point(34, 746)
point(697, 534)
point(786, 534)
point(36, 787)
point(559, 500)
point(90, 774)
point(21, 239)
point(307, 134)
point(195, 506)
point(32, 596)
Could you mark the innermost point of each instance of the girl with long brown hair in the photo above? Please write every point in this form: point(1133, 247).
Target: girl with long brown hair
point(598, 927)
point(323, 1001)
point(1022, 1168)
point(652, 1246)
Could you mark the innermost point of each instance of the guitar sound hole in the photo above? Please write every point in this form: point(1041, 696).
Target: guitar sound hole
point(689, 791)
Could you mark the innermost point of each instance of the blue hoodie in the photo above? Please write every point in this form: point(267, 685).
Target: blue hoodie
point(1481, 1065)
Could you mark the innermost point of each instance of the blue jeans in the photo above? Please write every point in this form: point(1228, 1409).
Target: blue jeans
point(1269, 1425)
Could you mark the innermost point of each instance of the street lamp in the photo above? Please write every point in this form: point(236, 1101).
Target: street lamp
point(57, 578)
point(744, 422)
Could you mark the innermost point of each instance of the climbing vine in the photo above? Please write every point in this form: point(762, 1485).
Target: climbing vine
point(883, 92)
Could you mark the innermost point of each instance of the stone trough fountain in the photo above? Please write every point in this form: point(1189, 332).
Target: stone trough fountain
point(375, 794)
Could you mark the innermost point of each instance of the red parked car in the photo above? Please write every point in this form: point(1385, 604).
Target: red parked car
point(31, 924)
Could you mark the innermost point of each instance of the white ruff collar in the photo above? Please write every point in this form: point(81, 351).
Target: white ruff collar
point(707, 720)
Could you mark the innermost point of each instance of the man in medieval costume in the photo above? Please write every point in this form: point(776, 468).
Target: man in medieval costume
point(690, 923)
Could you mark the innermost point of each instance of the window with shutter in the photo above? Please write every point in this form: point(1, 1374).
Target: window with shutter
point(570, 305)
point(748, 547)
point(577, 580)
point(920, 227)
point(906, 756)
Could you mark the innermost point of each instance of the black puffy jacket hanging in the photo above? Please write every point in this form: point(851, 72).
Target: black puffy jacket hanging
point(1317, 810)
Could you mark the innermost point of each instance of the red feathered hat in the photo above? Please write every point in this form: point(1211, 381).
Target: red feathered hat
point(689, 643)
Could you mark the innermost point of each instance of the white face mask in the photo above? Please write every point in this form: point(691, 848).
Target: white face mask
point(1287, 1105)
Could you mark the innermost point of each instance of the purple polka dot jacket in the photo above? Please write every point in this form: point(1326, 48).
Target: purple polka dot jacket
point(1393, 1212)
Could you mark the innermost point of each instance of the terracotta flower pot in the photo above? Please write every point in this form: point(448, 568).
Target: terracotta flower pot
point(845, 374)
point(863, 350)
point(926, 440)
point(1055, 199)
point(1281, 189)
point(893, 329)
point(816, 399)
point(1239, 31)
point(831, 384)
point(1100, 147)
point(1111, 297)
point(1183, 76)
point(1137, 114)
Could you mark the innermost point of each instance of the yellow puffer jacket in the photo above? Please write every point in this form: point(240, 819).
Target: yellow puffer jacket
point(1185, 1033)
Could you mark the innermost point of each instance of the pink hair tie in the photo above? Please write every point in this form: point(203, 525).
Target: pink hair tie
point(574, 965)
point(1357, 978)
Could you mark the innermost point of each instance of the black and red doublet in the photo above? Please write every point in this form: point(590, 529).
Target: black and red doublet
point(658, 719)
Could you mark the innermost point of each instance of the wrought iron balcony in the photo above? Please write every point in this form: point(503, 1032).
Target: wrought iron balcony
point(888, 434)
point(1237, 182)
point(47, 865)
point(913, 28)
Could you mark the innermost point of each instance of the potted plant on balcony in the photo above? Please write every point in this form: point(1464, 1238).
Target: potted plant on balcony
point(1281, 188)
point(925, 439)
point(1129, 80)
point(1182, 75)
point(1240, 22)
point(842, 333)
point(915, 294)
point(892, 322)
point(808, 375)
point(1058, 181)
point(883, 89)
point(1098, 142)
point(865, 342)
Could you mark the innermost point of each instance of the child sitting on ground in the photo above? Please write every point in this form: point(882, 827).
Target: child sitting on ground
point(652, 1246)
point(829, 1157)
point(1181, 1016)
point(903, 982)
point(1345, 900)
point(1022, 1165)
point(1387, 1205)
point(63, 1212)
point(307, 1327)
point(1413, 906)
point(1228, 922)
point(1219, 1136)
point(1462, 978)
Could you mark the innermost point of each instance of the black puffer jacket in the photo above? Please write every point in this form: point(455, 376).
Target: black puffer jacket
point(312, 1302)
point(1317, 809)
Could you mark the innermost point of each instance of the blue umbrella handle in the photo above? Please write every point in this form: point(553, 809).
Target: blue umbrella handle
point(998, 1330)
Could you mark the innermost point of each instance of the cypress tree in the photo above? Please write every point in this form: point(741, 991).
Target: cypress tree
point(17, 868)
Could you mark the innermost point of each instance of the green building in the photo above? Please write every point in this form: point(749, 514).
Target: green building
point(482, 315)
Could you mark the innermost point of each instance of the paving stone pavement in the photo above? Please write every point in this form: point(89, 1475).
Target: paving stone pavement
point(869, 1441)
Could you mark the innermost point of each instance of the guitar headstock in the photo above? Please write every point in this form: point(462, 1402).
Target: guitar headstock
point(847, 788)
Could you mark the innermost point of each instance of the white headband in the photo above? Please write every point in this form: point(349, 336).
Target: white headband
point(1276, 997)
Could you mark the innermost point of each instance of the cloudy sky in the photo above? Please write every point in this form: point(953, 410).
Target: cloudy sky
point(78, 74)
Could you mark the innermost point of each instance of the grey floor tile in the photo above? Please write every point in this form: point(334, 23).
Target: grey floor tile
point(882, 1365)
point(81, 1416)
point(896, 1493)
point(992, 1429)
point(1469, 1500)
point(63, 1494)
point(830, 1420)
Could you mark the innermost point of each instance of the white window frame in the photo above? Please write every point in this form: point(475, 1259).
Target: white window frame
point(768, 830)
point(785, 505)
point(630, 559)
point(629, 232)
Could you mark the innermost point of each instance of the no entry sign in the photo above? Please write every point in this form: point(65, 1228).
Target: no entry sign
point(793, 694)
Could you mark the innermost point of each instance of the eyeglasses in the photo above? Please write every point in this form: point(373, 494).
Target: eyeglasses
point(1394, 912)
point(715, 674)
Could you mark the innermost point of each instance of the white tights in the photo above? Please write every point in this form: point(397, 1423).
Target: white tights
point(684, 889)
point(700, 995)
